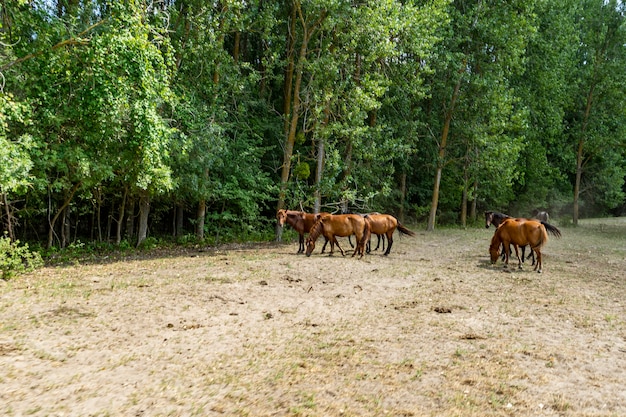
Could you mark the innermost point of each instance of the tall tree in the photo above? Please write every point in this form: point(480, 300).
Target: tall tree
point(486, 44)
point(596, 120)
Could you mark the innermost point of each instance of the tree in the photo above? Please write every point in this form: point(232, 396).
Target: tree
point(486, 47)
point(596, 120)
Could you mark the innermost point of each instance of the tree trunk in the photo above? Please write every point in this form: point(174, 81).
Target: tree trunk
point(200, 218)
point(130, 220)
point(580, 155)
point(442, 154)
point(294, 115)
point(60, 211)
point(144, 211)
point(464, 202)
point(8, 213)
point(319, 170)
point(178, 227)
point(317, 205)
point(474, 208)
point(402, 196)
point(120, 219)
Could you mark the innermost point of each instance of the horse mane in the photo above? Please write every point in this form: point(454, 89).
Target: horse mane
point(316, 229)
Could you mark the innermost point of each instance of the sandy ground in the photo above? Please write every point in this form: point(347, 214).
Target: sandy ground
point(257, 330)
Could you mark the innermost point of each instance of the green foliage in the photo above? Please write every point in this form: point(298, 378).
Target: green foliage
point(14, 151)
point(16, 258)
point(185, 103)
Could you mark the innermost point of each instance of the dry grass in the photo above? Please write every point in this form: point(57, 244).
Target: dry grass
point(431, 330)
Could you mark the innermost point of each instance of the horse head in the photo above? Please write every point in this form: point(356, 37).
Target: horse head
point(488, 218)
point(494, 248)
point(310, 246)
point(281, 216)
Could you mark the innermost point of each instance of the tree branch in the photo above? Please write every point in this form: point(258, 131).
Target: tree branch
point(76, 40)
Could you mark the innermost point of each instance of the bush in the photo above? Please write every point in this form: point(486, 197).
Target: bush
point(16, 258)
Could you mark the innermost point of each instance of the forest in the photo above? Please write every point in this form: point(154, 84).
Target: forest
point(123, 121)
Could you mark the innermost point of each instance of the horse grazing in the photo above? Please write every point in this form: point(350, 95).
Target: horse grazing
point(342, 225)
point(496, 218)
point(519, 233)
point(385, 225)
point(301, 222)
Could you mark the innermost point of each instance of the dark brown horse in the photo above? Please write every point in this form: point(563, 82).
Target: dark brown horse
point(519, 232)
point(301, 222)
point(333, 225)
point(385, 225)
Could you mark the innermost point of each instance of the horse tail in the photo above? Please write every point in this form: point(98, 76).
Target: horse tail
point(367, 233)
point(404, 230)
point(552, 229)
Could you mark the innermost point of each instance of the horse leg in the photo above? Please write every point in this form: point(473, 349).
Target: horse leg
point(506, 252)
point(360, 246)
point(519, 260)
point(301, 243)
point(539, 263)
point(350, 241)
point(389, 243)
point(337, 243)
point(325, 243)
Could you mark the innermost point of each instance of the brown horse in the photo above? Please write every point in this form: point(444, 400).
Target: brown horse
point(519, 233)
point(301, 222)
point(342, 225)
point(385, 225)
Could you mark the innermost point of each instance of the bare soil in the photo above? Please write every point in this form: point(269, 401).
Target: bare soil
point(433, 329)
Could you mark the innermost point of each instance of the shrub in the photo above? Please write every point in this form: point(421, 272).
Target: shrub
point(16, 258)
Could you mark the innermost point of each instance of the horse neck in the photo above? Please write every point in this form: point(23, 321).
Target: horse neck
point(316, 230)
point(292, 218)
point(499, 218)
point(496, 240)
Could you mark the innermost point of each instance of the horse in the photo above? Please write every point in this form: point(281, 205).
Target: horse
point(542, 216)
point(520, 233)
point(496, 218)
point(385, 225)
point(332, 225)
point(301, 222)
point(380, 237)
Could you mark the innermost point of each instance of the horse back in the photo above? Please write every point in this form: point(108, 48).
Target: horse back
point(381, 223)
point(522, 232)
point(343, 224)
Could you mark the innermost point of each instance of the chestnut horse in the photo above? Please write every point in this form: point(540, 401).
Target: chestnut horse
point(385, 225)
point(519, 233)
point(495, 218)
point(342, 225)
point(301, 222)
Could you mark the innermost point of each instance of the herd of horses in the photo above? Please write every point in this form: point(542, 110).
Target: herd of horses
point(518, 232)
point(331, 226)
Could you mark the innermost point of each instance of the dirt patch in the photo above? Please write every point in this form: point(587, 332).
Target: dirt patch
point(432, 329)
